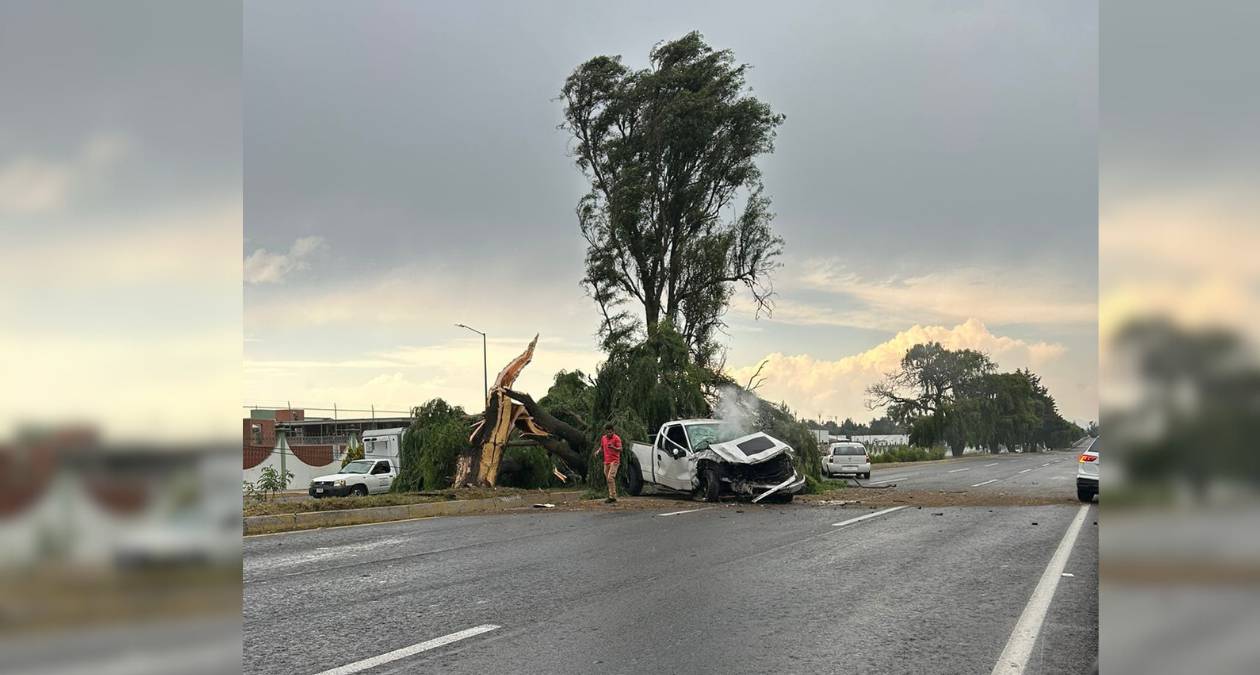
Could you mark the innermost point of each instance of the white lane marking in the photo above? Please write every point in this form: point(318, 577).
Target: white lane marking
point(1025, 471)
point(990, 463)
point(679, 513)
point(1019, 647)
point(1046, 464)
point(410, 651)
point(957, 470)
point(992, 480)
point(869, 515)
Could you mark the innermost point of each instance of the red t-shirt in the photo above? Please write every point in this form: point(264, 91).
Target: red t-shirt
point(611, 445)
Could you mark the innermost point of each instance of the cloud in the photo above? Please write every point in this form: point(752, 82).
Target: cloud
point(812, 386)
point(35, 185)
point(946, 295)
point(264, 267)
point(405, 376)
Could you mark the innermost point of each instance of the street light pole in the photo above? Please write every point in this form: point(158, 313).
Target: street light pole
point(485, 369)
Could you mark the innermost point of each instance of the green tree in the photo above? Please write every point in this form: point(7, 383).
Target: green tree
point(669, 150)
point(931, 393)
point(271, 481)
point(431, 445)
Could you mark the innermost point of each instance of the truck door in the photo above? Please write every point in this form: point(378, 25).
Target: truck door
point(672, 459)
point(382, 476)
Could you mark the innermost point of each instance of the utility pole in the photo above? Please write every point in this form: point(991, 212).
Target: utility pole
point(485, 370)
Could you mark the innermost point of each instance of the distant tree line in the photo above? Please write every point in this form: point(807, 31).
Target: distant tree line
point(957, 398)
point(878, 426)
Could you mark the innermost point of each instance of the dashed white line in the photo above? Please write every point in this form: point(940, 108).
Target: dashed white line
point(1046, 464)
point(679, 513)
point(869, 515)
point(410, 651)
point(992, 480)
point(991, 464)
point(957, 470)
point(1025, 470)
point(1019, 647)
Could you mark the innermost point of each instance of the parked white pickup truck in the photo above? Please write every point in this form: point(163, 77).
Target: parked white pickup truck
point(701, 458)
point(360, 477)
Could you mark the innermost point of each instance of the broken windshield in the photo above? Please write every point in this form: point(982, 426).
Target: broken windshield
point(704, 435)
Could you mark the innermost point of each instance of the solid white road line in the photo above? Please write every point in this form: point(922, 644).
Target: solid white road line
point(410, 651)
point(993, 480)
point(1025, 470)
point(679, 513)
point(1019, 647)
point(957, 470)
point(869, 515)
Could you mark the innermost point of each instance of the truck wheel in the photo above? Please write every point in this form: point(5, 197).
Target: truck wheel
point(780, 498)
point(632, 479)
point(1084, 495)
point(712, 485)
point(866, 476)
point(359, 491)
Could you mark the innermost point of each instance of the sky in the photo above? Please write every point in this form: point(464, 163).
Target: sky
point(120, 218)
point(935, 179)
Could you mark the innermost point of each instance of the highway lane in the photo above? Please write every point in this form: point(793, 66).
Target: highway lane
point(1033, 474)
point(731, 588)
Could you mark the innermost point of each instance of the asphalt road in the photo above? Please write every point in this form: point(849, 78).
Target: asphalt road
point(733, 588)
point(1033, 474)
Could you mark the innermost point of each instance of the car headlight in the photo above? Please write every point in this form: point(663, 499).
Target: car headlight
point(340, 483)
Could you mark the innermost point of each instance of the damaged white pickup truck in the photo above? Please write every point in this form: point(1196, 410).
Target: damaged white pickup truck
point(702, 458)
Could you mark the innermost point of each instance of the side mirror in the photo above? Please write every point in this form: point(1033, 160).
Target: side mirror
point(678, 454)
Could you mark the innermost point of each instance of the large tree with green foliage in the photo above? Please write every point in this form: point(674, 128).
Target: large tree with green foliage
point(676, 215)
point(957, 398)
point(931, 393)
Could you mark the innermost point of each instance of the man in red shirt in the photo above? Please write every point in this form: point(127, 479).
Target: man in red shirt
point(610, 443)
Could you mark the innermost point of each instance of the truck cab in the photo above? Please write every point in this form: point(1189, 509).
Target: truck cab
point(360, 478)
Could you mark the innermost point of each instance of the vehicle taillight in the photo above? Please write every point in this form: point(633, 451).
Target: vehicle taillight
point(1089, 458)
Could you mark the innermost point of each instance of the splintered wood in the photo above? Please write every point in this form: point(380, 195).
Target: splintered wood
point(490, 435)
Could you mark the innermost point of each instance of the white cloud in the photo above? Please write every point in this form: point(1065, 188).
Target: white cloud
point(264, 267)
point(947, 295)
point(34, 185)
point(812, 386)
point(405, 376)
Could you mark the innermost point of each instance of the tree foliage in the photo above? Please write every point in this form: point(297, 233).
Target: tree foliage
point(430, 446)
point(668, 150)
point(957, 398)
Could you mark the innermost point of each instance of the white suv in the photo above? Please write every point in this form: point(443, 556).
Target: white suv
point(848, 457)
point(1087, 473)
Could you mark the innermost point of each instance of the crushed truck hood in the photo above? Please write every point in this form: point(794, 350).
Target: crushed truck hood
point(751, 449)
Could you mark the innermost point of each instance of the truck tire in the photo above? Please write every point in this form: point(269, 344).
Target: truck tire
point(359, 491)
point(780, 498)
point(632, 479)
point(1084, 494)
point(711, 485)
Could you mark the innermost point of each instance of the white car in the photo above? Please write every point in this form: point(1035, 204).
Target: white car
point(847, 457)
point(360, 477)
point(1087, 473)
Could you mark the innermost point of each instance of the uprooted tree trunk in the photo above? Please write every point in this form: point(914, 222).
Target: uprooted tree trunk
point(563, 441)
point(479, 464)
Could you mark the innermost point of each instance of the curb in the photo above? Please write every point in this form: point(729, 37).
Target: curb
point(289, 522)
